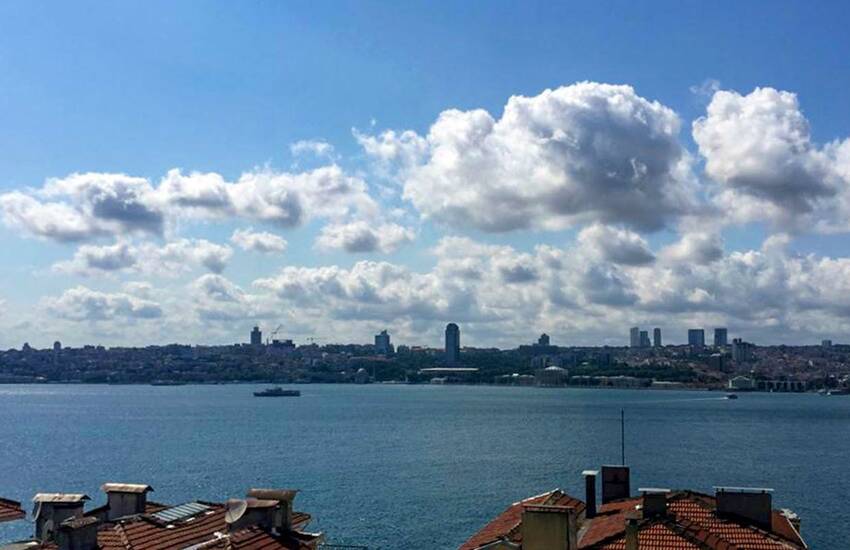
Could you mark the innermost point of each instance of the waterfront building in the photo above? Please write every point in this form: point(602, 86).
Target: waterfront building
point(721, 337)
point(741, 383)
point(644, 339)
point(634, 337)
point(696, 338)
point(731, 517)
point(656, 337)
point(452, 344)
point(552, 376)
point(382, 343)
point(256, 337)
point(265, 518)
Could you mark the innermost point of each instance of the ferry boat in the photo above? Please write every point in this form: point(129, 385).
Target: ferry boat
point(277, 392)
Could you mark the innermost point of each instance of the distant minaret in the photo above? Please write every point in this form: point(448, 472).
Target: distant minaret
point(452, 344)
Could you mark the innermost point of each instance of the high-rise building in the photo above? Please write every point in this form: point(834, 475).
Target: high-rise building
point(543, 340)
point(256, 337)
point(696, 338)
point(452, 344)
point(382, 343)
point(826, 343)
point(720, 338)
point(741, 351)
point(656, 337)
point(634, 337)
point(644, 339)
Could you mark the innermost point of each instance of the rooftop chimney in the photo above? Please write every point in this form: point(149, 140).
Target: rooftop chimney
point(549, 527)
point(252, 511)
point(77, 534)
point(590, 492)
point(282, 517)
point(125, 499)
point(654, 502)
point(632, 533)
point(752, 505)
point(51, 509)
point(615, 483)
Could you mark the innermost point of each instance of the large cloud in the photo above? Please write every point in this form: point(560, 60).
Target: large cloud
point(361, 236)
point(586, 152)
point(258, 241)
point(759, 148)
point(618, 246)
point(84, 304)
point(85, 206)
point(170, 259)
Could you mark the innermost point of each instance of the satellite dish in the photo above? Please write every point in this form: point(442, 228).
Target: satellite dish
point(235, 510)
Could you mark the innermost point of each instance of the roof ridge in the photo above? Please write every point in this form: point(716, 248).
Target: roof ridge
point(546, 494)
point(696, 533)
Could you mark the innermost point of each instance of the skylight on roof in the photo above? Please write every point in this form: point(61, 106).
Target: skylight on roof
point(183, 511)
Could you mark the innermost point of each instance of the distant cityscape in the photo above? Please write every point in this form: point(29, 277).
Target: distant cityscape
point(643, 363)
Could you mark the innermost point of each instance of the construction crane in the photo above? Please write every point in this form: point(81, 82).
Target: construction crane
point(273, 334)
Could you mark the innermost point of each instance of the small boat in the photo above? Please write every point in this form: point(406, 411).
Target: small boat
point(277, 392)
point(731, 396)
point(167, 383)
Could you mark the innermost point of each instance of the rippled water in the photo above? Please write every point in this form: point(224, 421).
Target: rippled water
point(420, 467)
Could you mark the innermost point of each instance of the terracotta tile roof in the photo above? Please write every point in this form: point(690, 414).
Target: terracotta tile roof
point(207, 529)
point(691, 522)
point(10, 510)
point(507, 524)
point(657, 536)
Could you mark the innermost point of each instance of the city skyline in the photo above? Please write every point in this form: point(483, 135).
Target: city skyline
point(154, 200)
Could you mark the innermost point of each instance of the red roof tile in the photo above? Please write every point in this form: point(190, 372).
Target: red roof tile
point(691, 522)
point(506, 525)
point(10, 510)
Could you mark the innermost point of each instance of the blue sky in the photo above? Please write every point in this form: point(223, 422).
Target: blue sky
point(140, 89)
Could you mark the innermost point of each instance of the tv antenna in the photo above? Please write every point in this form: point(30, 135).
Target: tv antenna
point(623, 436)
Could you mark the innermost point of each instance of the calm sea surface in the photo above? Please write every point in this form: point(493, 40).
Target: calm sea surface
point(419, 467)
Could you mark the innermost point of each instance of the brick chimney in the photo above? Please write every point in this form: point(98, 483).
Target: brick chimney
point(125, 499)
point(615, 483)
point(51, 509)
point(751, 505)
point(77, 534)
point(590, 492)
